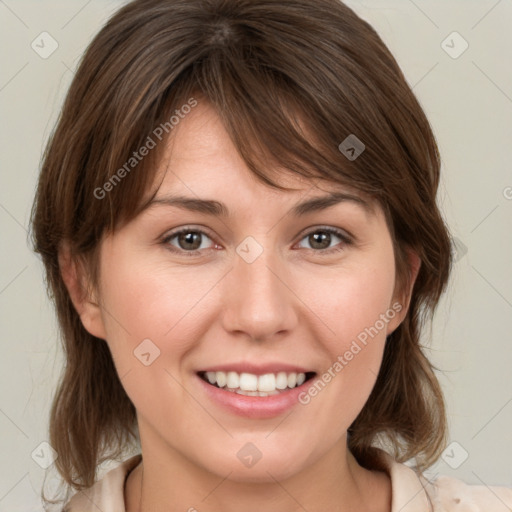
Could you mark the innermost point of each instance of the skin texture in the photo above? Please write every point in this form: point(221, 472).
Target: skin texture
point(296, 303)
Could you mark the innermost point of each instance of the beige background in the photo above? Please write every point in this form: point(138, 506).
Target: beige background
point(469, 102)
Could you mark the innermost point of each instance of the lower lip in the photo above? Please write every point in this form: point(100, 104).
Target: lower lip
point(255, 407)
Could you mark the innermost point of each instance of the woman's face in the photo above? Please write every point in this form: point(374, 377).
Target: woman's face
point(255, 285)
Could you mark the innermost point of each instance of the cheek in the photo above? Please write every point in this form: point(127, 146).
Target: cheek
point(355, 302)
point(357, 309)
point(362, 303)
point(132, 302)
point(151, 300)
point(150, 314)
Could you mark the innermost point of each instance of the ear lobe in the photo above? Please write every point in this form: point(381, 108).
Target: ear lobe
point(77, 283)
point(404, 298)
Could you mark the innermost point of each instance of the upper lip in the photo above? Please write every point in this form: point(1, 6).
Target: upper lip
point(256, 369)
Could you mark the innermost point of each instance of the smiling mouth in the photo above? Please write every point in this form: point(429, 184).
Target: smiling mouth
point(249, 384)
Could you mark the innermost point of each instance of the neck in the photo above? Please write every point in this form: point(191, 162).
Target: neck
point(166, 480)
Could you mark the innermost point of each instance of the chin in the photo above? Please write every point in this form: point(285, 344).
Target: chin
point(246, 463)
point(261, 473)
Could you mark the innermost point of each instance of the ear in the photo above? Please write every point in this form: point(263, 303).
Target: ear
point(79, 288)
point(402, 298)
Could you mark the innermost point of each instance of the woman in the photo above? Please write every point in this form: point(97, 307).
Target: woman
point(237, 214)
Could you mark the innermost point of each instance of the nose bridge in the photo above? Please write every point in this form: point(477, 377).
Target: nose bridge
point(258, 302)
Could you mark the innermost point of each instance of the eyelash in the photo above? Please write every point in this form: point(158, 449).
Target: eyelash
point(346, 240)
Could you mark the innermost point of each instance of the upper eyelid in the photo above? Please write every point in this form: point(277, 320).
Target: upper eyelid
point(332, 229)
point(186, 229)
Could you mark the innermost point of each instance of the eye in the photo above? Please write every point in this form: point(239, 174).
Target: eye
point(321, 238)
point(187, 241)
point(191, 242)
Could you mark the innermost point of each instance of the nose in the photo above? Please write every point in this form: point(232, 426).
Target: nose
point(258, 301)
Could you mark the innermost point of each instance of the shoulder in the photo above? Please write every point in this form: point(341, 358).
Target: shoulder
point(450, 494)
point(107, 494)
point(413, 492)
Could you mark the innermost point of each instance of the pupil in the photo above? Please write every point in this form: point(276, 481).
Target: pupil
point(318, 236)
point(188, 238)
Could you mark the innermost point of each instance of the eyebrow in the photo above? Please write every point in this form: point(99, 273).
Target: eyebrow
point(218, 209)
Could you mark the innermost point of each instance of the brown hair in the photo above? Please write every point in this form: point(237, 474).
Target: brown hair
point(263, 65)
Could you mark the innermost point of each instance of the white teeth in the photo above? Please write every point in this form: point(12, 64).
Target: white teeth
point(248, 382)
point(232, 381)
point(221, 379)
point(247, 393)
point(254, 385)
point(267, 382)
point(282, 380)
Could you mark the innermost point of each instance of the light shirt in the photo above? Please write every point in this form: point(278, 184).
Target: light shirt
point(411, 492)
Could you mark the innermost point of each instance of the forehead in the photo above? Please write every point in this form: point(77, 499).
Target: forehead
point(201, 161)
